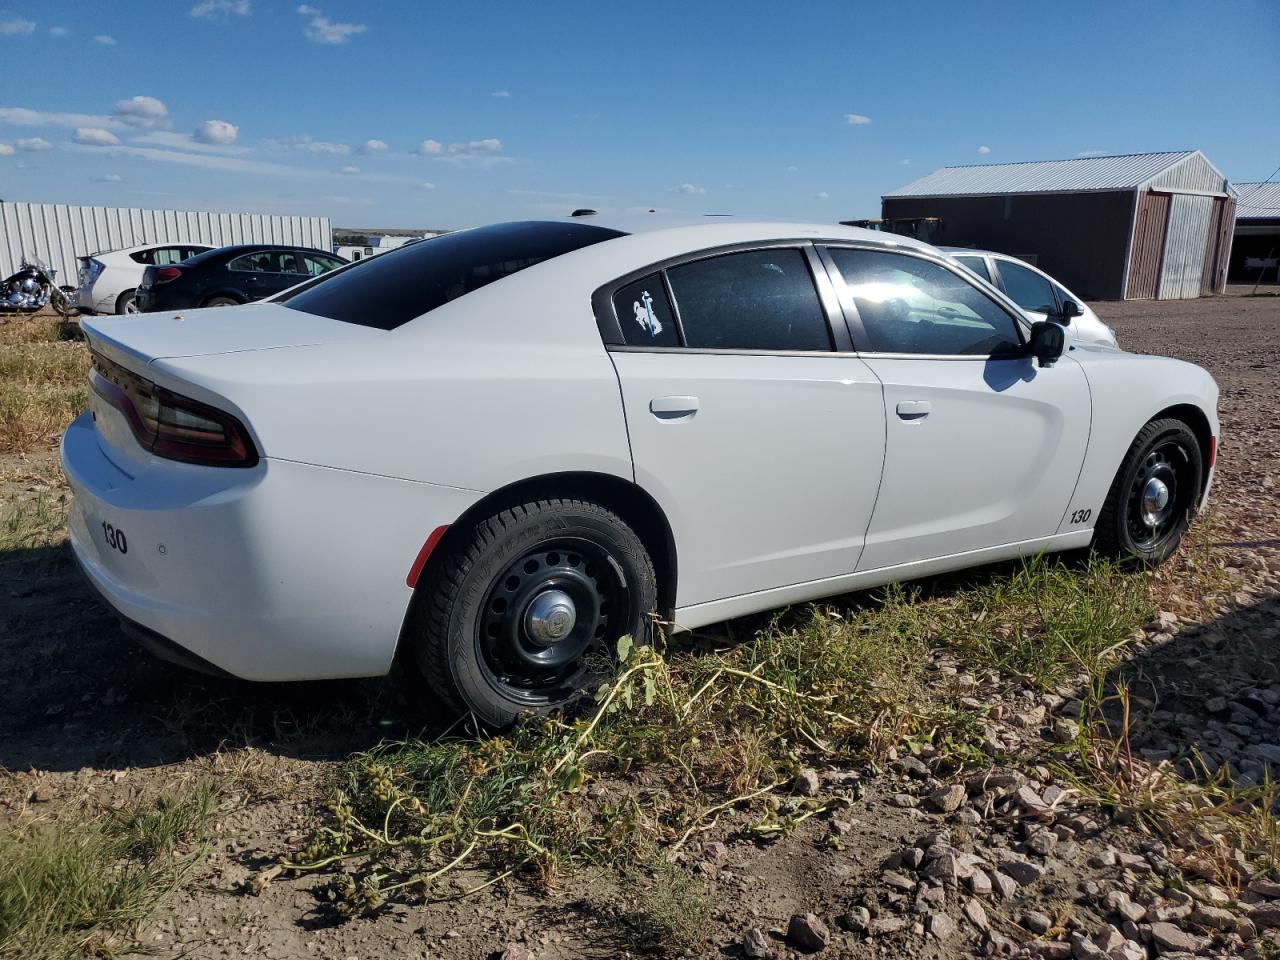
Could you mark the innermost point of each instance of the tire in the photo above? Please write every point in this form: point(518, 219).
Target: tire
point(125, 303)
point(222, 302)
point(60, 300)
point(1129, 527)
point(472, 629)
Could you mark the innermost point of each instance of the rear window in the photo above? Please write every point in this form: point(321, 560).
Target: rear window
point(393, 288)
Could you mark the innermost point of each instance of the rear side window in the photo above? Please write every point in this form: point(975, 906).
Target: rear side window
point(393, 288)
point(976, 265)
point(756, 300)
point(645, 315)
point(1027, 288)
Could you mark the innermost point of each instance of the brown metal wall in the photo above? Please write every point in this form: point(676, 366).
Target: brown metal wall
point(1147, 253)
point(1079, 238)
point(1221, 226)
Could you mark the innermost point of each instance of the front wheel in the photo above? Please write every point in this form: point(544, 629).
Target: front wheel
point(222, 302)
point(524, 613)
point(1154, 494)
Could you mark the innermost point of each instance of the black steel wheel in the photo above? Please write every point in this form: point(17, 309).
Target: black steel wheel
point(525, 611)
point(1154, 495)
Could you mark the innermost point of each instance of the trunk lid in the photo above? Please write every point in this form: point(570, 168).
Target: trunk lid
point(140, 338)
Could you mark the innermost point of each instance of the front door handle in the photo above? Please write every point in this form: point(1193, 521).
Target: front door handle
point(914, 409)
point(673, 408)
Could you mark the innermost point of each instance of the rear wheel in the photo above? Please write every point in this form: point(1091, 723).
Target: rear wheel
point(222, 302)
point(1154, 494)
point(62, 300)
point(125, 303)
point(525, 612)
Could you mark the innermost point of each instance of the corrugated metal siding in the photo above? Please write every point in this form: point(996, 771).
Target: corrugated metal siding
point(1218, 251)
point(58, 234)
point(1044, 176)
point(1147, 249)
point(1257, 200)
point(1184, 246)
point(1195, 174)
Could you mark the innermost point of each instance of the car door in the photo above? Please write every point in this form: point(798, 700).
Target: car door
point(762, 444)
point(983, 447)
point(292, 271)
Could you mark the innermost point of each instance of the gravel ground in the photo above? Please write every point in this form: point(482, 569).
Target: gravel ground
point(916, 866)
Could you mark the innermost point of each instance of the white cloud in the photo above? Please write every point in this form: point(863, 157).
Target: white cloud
point(185, 141)
point(793, 169)
point(483, 153)
point(107, 178)
point(220, 9)
point(95, 136)
point(34, 143)
point(216, 131)
point(142, 112)
point(24, 117)
point(822, 195)
point(468, 147)
point(305, 142)
point(500, 93)
point(430, 148)
point(105, 39)
point(373, 146)
point(688, 188)
point(58, 31)
point(350, 168)
point(907, 162)
point(425, 185)
point(16, 27)
point(984, 149)
point(856, 119)
point(6, 150)
point(320, 29)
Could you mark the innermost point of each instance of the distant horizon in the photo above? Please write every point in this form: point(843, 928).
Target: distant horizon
point(404, 114)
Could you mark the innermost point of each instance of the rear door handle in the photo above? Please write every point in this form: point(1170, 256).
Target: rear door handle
point(673, 408)
point(914, 409)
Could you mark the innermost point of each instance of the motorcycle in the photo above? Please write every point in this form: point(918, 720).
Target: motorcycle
point(34, 286)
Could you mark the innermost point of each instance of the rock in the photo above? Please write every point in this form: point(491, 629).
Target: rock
point(1266, 916)
point(857, 919)
point(883, 925)
point(806, 783)
point(518, 951)
point(947, 799)
point(1265, 888)
point(969, 817)
point(1042, 842)
point(911, 767)
point(1117, 901)
point(1049, 949)
point(940, 926)
point(808, 933)
point(1022, 872)
point(912, 857)
point(976, 914)
point(1005, 885)
point(1082, 948)
point(944, 868)
point(1169, 938)
point(1213, 918)
point(715, 853)
point(1108, 939)
point(898, 881)
point(43, 793)
point(756, 945)
point(980, 883)
point(1064, 730)
point(1129, 950)
point(1270, 752)
point(904, 800)
point(1036, 922)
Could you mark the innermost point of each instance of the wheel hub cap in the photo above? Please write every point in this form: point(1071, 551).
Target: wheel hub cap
point(551, 617)
point(1155, 502)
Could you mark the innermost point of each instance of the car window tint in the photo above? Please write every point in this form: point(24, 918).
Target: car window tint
point(1064, 294)
point(756, 300)
point(910, 305)
point(261, 262)
point(166, 256)
point(290, 262)
point(393, 288)
point(976, 265)
point(141, 256)
point(1027, 288)
point(645, 315)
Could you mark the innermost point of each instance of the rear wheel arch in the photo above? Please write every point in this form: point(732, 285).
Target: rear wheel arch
point(629, 501)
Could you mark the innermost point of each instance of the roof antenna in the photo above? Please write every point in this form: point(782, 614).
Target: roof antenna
point(583, 212)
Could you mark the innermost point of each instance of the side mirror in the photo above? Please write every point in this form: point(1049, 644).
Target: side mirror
point(1048, 340)
point(1070, 310)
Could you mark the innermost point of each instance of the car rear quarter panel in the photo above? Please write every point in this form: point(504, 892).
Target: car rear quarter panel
point(1127, 391)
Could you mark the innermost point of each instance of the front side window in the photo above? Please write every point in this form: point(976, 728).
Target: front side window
point(755, 300)
point(1027, 288)
point(910, 305)
point(395, 287)
point(976, 266)
point(316, 264)
point(645, 314)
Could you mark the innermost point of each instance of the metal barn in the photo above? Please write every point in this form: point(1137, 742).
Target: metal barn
point(58, 234)
point(1255, 254)
point(1148, 226)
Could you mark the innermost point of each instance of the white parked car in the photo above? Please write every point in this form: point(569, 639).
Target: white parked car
point(498, 452)
point(1039, 295)
point(107, 280)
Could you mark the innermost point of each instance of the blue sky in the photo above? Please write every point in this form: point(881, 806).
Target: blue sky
point(433, 114)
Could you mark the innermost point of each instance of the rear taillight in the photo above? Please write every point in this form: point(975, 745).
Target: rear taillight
point(165, 274)
point(171, 425)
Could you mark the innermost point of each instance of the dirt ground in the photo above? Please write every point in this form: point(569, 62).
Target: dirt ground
point(84, 714)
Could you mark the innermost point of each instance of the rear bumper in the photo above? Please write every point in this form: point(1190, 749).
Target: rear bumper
point(283, 571)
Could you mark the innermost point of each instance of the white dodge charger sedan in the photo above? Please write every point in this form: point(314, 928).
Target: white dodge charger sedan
point(497, 452)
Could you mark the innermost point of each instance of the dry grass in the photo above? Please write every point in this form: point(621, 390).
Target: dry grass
point(43, 382)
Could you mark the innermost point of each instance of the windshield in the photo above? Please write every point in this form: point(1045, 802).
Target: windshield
point(393, 288)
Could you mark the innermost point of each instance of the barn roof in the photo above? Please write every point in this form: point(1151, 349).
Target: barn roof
point(1257, 200)
point(1182, 169)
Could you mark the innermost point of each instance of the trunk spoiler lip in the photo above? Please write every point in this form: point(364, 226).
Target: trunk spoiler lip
point(121, 352)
